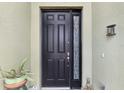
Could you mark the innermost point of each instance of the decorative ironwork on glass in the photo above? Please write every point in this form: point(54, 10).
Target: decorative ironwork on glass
point(76, 46)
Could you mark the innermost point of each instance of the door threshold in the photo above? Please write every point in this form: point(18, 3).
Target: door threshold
point(55, 88)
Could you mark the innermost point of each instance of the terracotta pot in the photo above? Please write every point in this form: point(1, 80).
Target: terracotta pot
point(15, 85)
point(15, 80)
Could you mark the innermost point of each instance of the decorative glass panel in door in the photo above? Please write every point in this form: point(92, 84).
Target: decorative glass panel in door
point(76, 47)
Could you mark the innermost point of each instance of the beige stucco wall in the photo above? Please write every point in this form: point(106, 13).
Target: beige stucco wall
point(108, 70)
point(36, 38)
point(19, 39)
point(14, 34)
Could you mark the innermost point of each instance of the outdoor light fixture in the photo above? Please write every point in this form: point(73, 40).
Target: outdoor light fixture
point(111, 30)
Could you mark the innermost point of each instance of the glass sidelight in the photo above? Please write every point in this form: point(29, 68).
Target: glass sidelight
point(76, 47)
point(76, 43)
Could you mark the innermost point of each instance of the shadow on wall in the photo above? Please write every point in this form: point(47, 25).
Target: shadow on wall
point(99, 85)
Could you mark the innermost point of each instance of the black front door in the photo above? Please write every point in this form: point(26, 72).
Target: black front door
point(56, 48)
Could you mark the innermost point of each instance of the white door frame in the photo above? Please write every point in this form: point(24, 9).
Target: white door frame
point(36, 38)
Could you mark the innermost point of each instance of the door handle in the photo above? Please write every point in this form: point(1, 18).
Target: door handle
point(68, 59)
point(68, 56)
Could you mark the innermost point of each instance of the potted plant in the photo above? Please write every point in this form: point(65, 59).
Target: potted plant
point(16, 78)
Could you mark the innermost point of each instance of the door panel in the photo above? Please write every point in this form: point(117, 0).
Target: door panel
point(56, 35)
point(61, 38)
point(50, 38)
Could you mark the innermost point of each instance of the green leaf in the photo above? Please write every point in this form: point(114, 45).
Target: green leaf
point(23, 64)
